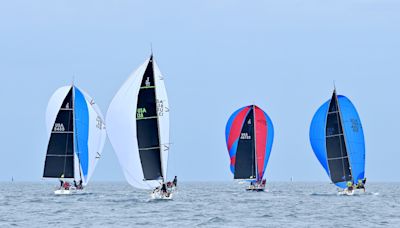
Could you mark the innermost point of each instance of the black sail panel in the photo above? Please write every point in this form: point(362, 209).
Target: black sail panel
point(147, 127)
point(338, 160)
point(245, 154)
point(60, 150)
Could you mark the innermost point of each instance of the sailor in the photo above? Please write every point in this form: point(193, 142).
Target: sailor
point(66, 185)
point(360, 184)
point(364, 180)
point(349, 186)
point(263, 182)
point(164, 188)
point(175, 181)
point(80, 185)
point(75, 185)
point(61, 181)
point(251, 185)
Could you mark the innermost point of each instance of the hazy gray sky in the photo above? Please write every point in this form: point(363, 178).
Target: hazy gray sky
point(216, 56)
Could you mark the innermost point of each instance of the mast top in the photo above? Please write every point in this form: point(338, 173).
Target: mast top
point(151, 51)
point(334, 86)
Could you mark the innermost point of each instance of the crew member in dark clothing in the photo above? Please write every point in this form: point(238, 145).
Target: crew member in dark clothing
point(350, 186)
point(175, 181)
point(80, 185)
point(61, 181)
point(164, 188)
point(361, 184)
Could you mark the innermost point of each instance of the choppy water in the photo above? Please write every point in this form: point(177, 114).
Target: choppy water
point(200, 205)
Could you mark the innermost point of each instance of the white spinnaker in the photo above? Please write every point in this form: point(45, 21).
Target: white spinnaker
point(96, 137)
point(121, 129)
point(163, 118)
point(53, 107)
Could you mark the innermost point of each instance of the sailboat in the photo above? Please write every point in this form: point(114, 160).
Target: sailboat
point(138, 129)
point(76, 134)
point(337, 139)
point(249, 136)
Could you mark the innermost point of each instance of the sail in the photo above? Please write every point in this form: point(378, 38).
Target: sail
point(163, 118)
point(354, 137)
point(59, 120)
point(337, 140)
point(264, 140)
point(90, 133)
point(245, 166)
point(336, 149)
point(138, 127)
point(76, 135)
point(249, 136)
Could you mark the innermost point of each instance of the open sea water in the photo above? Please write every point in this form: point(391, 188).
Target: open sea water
point(203, 204)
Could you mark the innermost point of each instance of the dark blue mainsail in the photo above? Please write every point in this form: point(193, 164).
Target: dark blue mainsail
point(337, 139)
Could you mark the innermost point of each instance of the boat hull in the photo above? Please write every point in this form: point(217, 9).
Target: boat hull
point(161, 196)
point(71, 191)
point(346, 192)
point(255, 189)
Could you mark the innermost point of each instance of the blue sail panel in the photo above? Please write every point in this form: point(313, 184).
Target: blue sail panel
point(82, 131)
point(317, 135)
point(354, 137)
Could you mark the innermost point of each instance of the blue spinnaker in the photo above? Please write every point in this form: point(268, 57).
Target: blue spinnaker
point(354, 138)
point(82, 131)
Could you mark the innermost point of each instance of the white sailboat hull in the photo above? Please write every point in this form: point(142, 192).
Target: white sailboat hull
point(158, 195)
point(71, 191)
point(256, 188)
point(347, 192)
point(64, 192)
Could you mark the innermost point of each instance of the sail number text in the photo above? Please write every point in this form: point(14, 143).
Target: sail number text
point(245, 136)
point(59, 127)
